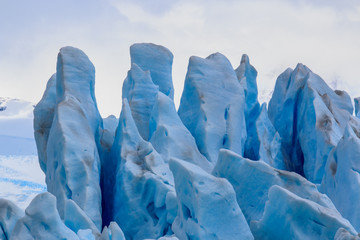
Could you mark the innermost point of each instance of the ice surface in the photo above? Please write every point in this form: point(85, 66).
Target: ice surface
point(42, 221)
point(144, 201)
point(262, 142)
point(343, 234)
point(172, 237)
point(16, 127)
point(21, 178)
point(73, 162)
point(253, 179)
point(9, 215)
point(268, 140)
point(246, 75)
point(212, 106)
point(158, 60)
point(341, 180)
point(108, 132)
point(170, 137)
point(111, 178)
point(113, 232)
point(288, 216)
point(310, 118)
point(16, 118)
point(137, 87)
point(357, 106)
point(76, 219)
point(207, 205)
point(17, 146)
point(43, 118)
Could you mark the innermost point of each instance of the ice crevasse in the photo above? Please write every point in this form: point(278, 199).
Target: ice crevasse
point(222, 166)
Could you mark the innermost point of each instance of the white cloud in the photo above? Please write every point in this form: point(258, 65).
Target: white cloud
point(275, 34)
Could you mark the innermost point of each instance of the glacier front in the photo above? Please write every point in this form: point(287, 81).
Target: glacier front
point(222, 166)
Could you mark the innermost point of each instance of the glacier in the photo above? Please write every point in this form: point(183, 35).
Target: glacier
point(221, 166)
point(212, 106)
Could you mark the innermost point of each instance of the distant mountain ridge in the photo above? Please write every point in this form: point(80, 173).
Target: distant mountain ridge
point(20, 176)
point(16, 127)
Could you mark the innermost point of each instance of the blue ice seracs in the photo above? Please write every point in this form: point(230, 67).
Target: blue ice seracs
point(221, 167)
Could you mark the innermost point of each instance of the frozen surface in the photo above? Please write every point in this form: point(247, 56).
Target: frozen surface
point(43, 118)
point(310, 118)
point(19, 146)
point(207, 205)
point(42, 221)
point(288, 216)
point(9, 215)
point(16, 127)
point(139, 86)
point(246, 75)
point(108, 132)
point(221, 167)
point(341, 180)
point(269, 141)
point(158, 61)
point(170, 137)
point(113, 232)
point(21, 179)
point(253, 179)
point(76, 219)
point(357, 107)
point(72, 156)
point(212, 106)
point(143, 196)
point(343, 234)
point(16, 118)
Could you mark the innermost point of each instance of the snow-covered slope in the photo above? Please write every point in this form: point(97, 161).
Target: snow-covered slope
point(20, 176)
point(16, 127)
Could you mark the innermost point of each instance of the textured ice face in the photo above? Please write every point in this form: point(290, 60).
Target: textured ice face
point(209, 171)
point(253, 179)
point(212, 106)
point(343, 234)
point(68, 134)
point(137, 87)
point(357, 107)
point(207, 205)
point(310, 118)
point(143, 196)
point(341, 180)
point(43, 118)
point(9, 215)
point(170, 137)
point(42, 221)
point(158, 61)
point(288, 216)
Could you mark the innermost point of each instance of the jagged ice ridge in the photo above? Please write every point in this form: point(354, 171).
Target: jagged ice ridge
point(221, 167)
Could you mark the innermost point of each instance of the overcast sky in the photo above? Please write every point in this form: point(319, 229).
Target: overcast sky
point(324, 35)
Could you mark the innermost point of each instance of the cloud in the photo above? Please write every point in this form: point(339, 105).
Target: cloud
point(275, 34)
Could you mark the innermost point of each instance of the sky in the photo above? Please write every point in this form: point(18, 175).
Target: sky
point(276, 34)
